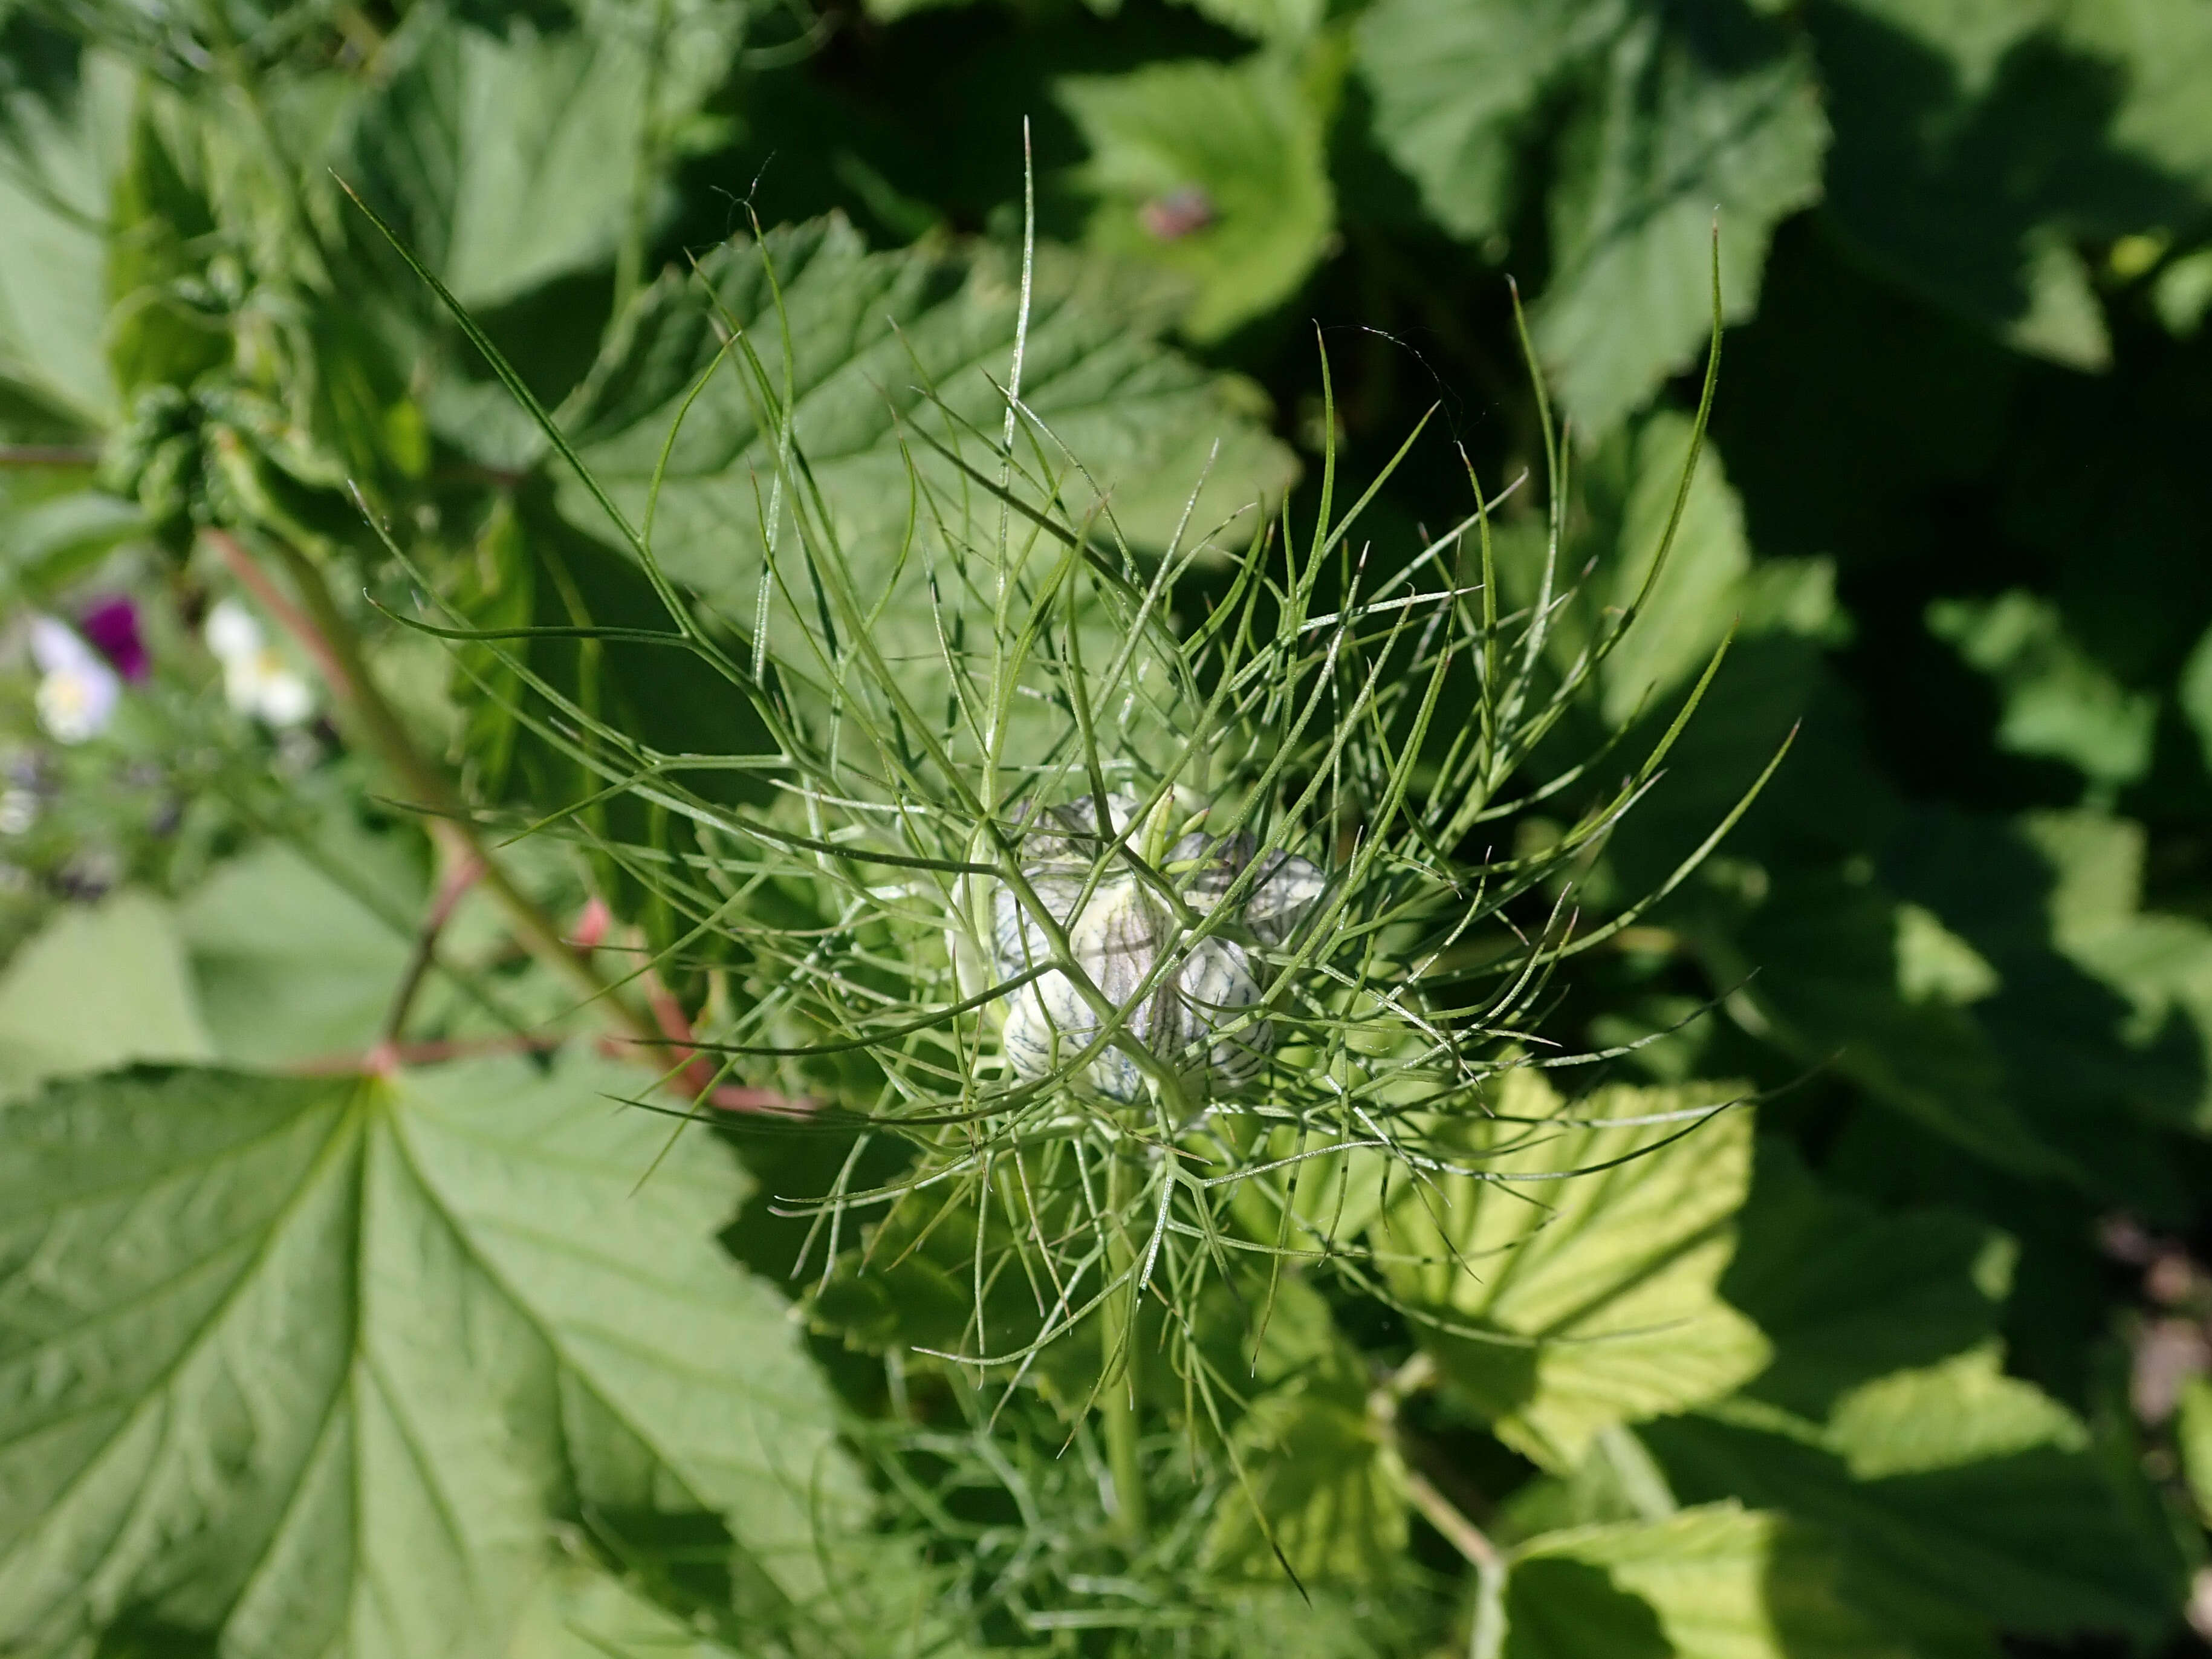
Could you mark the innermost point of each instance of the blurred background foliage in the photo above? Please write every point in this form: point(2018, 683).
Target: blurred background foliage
point(1956, 508)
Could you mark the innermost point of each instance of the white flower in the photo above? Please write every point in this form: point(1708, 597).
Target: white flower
point(256, 679)
point(77, 690)
point(1119, 934)
point(19, 811)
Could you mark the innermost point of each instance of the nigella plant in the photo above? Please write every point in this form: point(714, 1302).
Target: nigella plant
point(1093, 892)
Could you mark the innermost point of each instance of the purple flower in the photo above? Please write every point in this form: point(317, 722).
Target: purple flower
point(111, 626)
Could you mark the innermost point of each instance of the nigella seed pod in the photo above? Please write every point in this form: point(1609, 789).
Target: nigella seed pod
point(1185, 1000)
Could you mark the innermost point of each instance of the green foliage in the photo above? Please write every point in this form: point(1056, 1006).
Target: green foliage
point(67, 134)
point(1974, 143)
point(2059, 703)
point(1332, 1501)
point(1673, 121)
point(511, 158)
point(467, 1354)
point(1240, 149)
point(1204, 923)
point(287, 966)
point(1715, 1579)
point(1960, 1497)
point(99, 987)
point(1571, 1285)
point(883, 348)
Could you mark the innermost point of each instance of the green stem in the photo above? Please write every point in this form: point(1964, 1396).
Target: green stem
point(1487, 1637)
point(1117, 1399)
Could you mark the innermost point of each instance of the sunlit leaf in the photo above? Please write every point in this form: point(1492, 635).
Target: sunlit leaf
point(102, 986)
point(1215, 172)
point(2059, 702)
point(577, 1613)
point(1598, 1291)
point(2194, 693)
point(315, 1363)
point(63, 138)
point(2160, 965)
point(1628, 487)
point(1325, 1474)
point(1957, 1493)
point(1716, 1581)
point(1834, 956)
point(2193, 1436)
point(868, 333)
point(1285, 20)
point(1718, 118)
point(1453, 82)
point(507, 159)
point(1846, 1294)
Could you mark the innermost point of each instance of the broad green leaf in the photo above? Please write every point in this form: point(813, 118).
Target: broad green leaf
point(102, 986)
point(1597, 1291)
point(1323, 1472)
point(2159, 965)
point(868, 331)
point(508, 160)
point(1975, 141)
point(2195, 691)
point(1961, 1412)
point(1277, 1622)
point(2164, 51)
point(312, 1365)
point(50, 533)
point(2192, 1437)
point(2059, 702)
point(890, 11)
point(1847, 1294)
point(1329, 1486)
point(289, 965)
point(1616, 1480)
point(1717, 1581)
point(1214, 171)
point(2182, 294)
point(1629, 488)
point(1934, 964)
point(676, 1597)
point(62, 142)
point(1957, 1494)
point(1626, 487)
point(579, 1612)
point(1455, 81)
point(2100, 1008)
point(1830, 950)
point(1716, 119)
point(1282, 21)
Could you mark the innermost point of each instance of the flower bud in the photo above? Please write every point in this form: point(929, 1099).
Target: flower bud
point(1193, 1017)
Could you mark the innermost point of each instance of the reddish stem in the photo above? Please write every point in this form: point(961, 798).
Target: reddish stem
point(294, 621)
